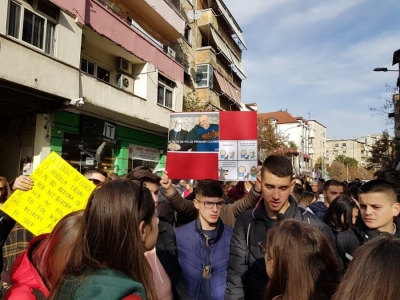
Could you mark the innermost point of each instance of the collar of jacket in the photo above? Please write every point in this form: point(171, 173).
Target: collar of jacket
point(366, 233)
point(293, 209)
point(218, 231)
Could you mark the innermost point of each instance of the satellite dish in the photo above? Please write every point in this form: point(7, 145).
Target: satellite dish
point(194, 14)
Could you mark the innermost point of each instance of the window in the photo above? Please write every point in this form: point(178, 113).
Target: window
point(165, 91)
point(187, 34)
point(34, 23)
point(343, 144)
point(336, 145)
point(91, 69)
point(204, 76)
point(344, 152)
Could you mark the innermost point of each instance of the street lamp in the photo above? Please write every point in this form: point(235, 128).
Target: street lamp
point(384, 70)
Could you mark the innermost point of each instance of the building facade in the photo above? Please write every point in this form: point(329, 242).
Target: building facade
point(317, 139)
point(90, 80)
point(352, 148)
point(211, 53)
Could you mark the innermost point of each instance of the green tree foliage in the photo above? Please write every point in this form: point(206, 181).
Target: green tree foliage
point(383, 153)
point(347, 161)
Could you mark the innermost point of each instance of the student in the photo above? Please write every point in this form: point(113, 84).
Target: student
point(247, 277)
point(203, 245)
point(341, 214)
point(374, 272)
point(330, 190)
point(40, 266)
point(119, 224)
point(163, 260)
point(300, 263)
point(379, 210)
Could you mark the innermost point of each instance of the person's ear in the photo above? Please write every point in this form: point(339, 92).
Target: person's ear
point(143, 231)
point(396, 209)
point(196, 203)
point(292, 184)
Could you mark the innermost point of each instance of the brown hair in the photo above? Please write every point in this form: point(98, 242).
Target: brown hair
point(307, 198)
point(7, 191)
point(374, 271)
point(110, 237)
point(278, 165)
point(143, 173)
point(304, 264)
point(51, 255)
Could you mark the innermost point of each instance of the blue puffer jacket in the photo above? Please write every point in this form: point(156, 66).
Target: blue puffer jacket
point(191, 246)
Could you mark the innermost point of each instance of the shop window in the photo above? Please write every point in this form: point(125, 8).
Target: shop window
point(34, 22)
point(165, 91)
point(204, 76)
point(85, 154)
point(92, 69)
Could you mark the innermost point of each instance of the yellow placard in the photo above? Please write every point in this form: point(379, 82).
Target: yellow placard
point(58, 190)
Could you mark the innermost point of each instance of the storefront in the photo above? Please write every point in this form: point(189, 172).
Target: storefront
point(86, 142)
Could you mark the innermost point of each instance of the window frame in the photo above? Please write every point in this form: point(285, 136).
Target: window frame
point(165, 84)
point(95, 69)
point(209, 78)
point(47, 33)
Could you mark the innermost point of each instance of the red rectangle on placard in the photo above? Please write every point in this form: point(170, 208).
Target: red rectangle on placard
point(192, 165)
point(238, 125)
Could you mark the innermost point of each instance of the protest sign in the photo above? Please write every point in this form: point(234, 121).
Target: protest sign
point(215, 145)
point(58, 190)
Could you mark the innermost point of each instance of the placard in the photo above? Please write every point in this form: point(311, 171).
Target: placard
point(58, 190)
point(215, 145)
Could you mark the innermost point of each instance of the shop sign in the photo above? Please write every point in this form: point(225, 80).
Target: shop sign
point(143, 153)
point(96, 128)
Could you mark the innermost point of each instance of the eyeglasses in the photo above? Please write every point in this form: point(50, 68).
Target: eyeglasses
point(95, 181)
point(263, 247)
point(210, 205)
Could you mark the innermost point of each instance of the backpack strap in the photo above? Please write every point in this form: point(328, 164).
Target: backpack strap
point(248, 243)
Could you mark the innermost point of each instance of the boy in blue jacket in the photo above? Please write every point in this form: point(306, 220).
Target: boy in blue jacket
point(203, 245)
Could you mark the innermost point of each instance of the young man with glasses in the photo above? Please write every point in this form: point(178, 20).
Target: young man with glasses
point(203, 245)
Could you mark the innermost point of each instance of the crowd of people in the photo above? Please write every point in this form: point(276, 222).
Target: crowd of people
point(144, 236)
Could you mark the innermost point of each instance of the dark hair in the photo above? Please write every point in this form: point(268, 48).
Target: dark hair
point(110, 237)
point(331, 182)
point(392, 176)
point(278, 165)
point(304, 264)
point(143, 173)
point(378, 186)
point(96, 170)
point(53, 252)
point(297, 192)
point(209, 188)
point(7, 191)
point(374, 271)
point(354, 192)
point(341, 206)
point(306, 198)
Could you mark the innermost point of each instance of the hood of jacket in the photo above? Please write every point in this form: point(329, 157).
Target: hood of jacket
point(291, 212)
point(318, 207)
point(23, 274)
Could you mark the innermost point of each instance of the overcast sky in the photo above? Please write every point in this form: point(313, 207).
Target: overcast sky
point(316, 57)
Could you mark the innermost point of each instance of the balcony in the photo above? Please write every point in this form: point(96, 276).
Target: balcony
point(113, 27)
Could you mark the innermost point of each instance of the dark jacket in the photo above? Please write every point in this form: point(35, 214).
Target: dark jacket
point(247, 276)
point(319, 209)
point(191, 246)
point(24, 277)
point(166, 253)
point(348, 241)
point(103, 284)
point(6, 225)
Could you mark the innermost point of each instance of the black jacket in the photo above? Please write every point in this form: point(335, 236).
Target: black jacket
point(166, 253)
point(247, 276)
point(348, 241)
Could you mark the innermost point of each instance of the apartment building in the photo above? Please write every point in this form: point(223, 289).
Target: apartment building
point(90, 80)
point(211, 53)
point(352, 148)
point(317, 139)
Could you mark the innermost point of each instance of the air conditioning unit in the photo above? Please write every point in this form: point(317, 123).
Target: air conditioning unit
point(169, 51)
point(124, 66)
point(125, 83)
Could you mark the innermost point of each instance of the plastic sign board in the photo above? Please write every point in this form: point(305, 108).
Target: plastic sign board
point(214, 145)
point(58, 190)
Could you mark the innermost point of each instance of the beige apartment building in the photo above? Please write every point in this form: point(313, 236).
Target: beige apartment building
point(349, 147)
point(317, 141)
